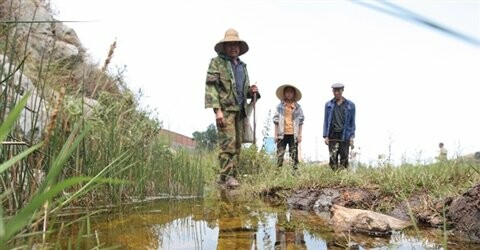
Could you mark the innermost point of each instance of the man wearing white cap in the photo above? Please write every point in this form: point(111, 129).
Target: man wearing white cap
point(339, 127)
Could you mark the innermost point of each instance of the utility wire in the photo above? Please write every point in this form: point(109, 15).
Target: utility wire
point(403, 13)
point(40, 21)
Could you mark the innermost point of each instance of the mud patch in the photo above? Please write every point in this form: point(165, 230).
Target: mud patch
point(323, 199)
point(464, 213)
point(423, 208)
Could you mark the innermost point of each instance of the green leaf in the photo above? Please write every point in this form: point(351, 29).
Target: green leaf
point(2, 223)
point(4, 166)
point(70, 145)
point(22, 218)
point(12, 117)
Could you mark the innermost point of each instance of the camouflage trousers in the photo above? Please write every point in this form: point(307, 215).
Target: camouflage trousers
point(230, 141)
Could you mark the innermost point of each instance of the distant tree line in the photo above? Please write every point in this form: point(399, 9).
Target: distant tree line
point(206, 140)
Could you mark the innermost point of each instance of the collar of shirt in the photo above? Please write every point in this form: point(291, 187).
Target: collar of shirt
point(286, 104)
point(230, 59)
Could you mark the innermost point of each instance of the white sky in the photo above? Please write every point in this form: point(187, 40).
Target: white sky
point(413, 86)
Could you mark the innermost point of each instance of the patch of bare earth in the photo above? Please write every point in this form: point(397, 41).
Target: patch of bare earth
point(464, 213)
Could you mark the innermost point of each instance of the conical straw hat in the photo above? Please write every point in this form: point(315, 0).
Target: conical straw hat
point(281, 90)
point(231, 35)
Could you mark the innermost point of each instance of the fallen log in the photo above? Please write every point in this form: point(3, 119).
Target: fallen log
point(364, 221)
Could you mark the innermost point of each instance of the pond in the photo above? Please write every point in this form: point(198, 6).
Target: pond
point(229, 223)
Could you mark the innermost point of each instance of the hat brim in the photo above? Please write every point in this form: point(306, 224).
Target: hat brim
point(281, 90)
point(219, 48)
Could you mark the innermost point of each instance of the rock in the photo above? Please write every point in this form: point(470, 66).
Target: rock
point(47, 37)
point(35, 115)
point(359, 220)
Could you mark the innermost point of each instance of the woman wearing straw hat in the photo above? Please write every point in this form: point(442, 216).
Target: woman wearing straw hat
point(288, 120)
point(226, 91)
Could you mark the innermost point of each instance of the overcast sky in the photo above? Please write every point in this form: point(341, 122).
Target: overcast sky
point(413, 86)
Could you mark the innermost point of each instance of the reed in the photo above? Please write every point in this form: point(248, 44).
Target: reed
point(119, 127)
point(50, 188)
point(108, 151)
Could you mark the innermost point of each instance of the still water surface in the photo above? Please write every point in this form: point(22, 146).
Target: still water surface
point(230, 224)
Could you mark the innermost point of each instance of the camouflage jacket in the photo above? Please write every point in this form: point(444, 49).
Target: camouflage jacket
point(220, 85)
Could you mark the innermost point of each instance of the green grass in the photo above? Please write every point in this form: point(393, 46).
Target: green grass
point(438, 180)
point(87, 156)
point(111, 153)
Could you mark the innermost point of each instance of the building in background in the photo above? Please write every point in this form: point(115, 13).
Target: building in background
point(176, 140)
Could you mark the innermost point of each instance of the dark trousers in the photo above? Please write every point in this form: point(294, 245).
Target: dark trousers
point(338, 149)
point(292, 148)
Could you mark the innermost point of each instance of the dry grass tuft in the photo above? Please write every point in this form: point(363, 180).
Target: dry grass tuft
point(109, 56)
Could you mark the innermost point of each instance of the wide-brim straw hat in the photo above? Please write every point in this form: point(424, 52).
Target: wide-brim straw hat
point(231, 35)
point(281, 91)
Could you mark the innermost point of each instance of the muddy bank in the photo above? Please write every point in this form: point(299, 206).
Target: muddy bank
point(462, 212)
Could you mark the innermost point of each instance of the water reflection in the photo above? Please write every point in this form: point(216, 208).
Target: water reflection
point(237, 225)
point(227, 223)
point(287, 235)
point(245, 226)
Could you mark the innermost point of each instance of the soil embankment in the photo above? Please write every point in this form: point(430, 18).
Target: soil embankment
point(462, 213)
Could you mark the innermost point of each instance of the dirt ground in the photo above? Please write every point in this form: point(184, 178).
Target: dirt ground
point(462, 212)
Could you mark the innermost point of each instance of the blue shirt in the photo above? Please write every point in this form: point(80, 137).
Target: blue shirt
point(239, 74)
point(349, 122)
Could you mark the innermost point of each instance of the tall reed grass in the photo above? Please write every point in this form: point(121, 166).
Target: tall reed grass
point(79, 151)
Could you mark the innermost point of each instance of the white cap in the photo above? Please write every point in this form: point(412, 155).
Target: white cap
point(337, 86)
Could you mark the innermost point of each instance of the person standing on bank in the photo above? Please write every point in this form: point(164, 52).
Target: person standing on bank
point(226, 91)
point(339, 127)
point(288, 120)
point(442, 152)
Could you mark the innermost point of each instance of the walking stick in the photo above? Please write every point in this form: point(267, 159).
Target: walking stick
point(254, 120)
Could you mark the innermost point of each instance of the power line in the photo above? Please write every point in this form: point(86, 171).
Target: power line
point(403, 13)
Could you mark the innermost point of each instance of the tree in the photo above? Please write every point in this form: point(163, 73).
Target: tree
point(207, 139)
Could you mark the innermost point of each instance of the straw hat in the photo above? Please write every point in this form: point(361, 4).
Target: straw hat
point(281, 91)
point(231, 35)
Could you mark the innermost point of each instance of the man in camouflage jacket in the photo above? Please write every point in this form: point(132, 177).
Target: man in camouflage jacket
point(226, 91)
